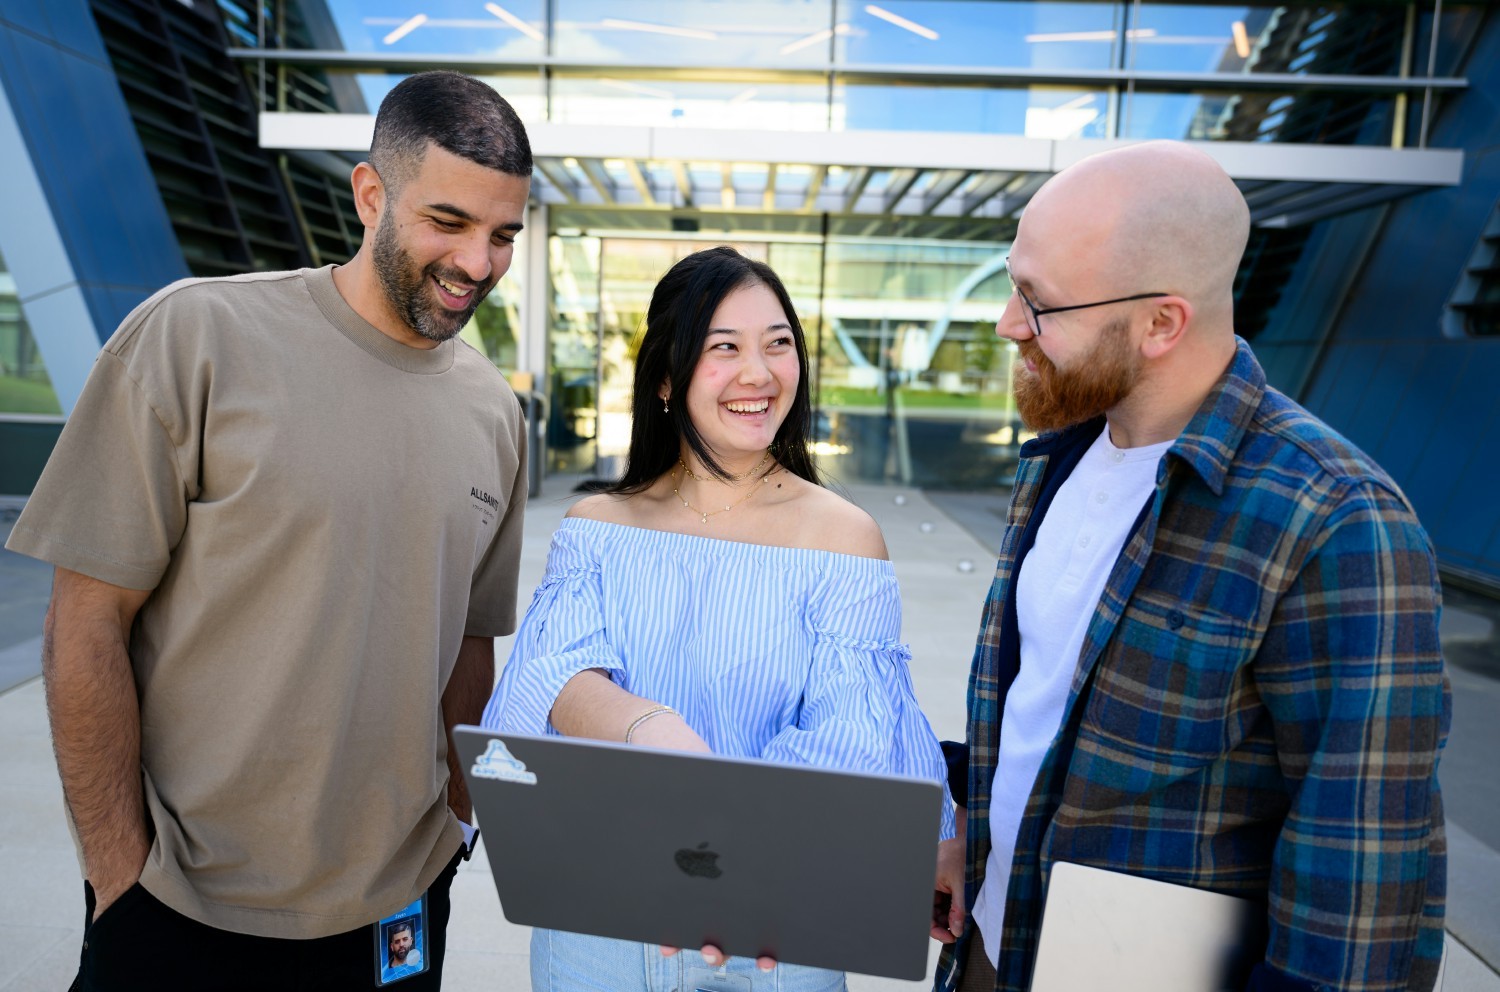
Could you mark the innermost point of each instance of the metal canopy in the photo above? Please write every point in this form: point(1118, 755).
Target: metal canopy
point(891, 175)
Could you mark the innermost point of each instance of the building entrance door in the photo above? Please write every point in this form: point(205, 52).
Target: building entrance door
point(909, 383)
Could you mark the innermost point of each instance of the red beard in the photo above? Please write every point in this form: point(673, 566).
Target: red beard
point(1051, 398)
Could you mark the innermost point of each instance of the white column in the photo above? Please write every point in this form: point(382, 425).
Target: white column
point(532, 347)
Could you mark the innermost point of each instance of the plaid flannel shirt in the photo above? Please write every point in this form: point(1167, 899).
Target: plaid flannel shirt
point(1258, 706)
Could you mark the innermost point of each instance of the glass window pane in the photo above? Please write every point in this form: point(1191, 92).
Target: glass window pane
point(1363, 39)
point(1320, 118)
point(1199, 38)
point(496, 327)
point(506, 29)
point(964, 33)
point(1035, 111)
point(1457, 31)
point(711, 32)
point(573, 353)
point(363, 91)
point(680, 103)
point(914, 386)
point(909, 380)
point(24, 384)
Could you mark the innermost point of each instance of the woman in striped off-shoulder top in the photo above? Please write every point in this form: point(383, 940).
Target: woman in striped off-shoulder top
point(716, 598)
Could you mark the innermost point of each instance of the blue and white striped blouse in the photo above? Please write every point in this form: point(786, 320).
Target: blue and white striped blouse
point(785, 654)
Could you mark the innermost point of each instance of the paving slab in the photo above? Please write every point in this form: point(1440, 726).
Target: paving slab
point(1465, 972)
point(49, 957)
point(20, 662)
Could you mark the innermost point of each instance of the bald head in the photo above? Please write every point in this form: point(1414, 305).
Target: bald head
point(1154, 217)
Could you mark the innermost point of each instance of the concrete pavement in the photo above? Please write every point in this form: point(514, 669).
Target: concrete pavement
point(944, 573)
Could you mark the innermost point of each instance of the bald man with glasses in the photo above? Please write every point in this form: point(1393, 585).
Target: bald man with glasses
point(1210, 652)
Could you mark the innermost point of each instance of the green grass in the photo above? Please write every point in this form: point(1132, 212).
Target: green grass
point(911, 399)
point(26, 396)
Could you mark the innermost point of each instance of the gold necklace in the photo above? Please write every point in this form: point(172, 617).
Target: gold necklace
point(732, 478)
point(705, 514)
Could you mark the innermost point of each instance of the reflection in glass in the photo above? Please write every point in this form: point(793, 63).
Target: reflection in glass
point(503, 29)
point(719, 33)
point(913, 384)
point(573, 353)
point(750, 36)
point(1457, 30)
point(1011, 34)
point(522, 90)
point(652, 102)
point(1335, 38)
point(1259, 115)
point(1199, 38)
point(908, 379)
point(1054, 112)
point(496, 327)
point(24, 385)
point(1177, 115)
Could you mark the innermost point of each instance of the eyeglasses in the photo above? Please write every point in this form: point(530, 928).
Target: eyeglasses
point(1034, 315)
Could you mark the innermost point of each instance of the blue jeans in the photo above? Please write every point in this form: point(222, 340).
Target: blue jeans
point(575, 962)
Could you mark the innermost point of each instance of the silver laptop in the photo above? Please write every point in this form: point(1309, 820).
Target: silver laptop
point(814, 867)
point(1104, 929)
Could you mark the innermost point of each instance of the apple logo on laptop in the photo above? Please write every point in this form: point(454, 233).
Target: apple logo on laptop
point(699, 863)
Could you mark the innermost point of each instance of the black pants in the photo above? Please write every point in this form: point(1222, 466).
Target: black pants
point(142, 945)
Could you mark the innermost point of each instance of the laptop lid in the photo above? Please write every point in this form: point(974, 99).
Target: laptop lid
point(1105, 929)
point(815, 867)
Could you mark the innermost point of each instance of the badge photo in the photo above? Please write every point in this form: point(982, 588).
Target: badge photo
point(401, 944)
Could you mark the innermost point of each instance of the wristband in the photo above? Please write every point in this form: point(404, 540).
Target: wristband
point(654, 711)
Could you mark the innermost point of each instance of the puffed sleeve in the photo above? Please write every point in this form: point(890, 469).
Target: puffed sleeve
point(859, 711)
point(562, 634)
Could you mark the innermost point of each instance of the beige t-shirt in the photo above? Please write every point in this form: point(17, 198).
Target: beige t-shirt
point(323, 514)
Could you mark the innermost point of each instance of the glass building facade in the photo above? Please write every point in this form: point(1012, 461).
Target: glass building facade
point(1325, 73)
point(895, 271)
point(878, 154)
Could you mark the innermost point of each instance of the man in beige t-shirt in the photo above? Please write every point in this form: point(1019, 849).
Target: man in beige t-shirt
point(286, 521)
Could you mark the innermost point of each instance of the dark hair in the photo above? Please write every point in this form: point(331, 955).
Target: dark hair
point(459, 114)
point(682, 305)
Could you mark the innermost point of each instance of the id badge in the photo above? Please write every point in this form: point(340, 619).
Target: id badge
point(401, 944)
point(709, 980)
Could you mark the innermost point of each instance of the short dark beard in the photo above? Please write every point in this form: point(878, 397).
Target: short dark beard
point(408, 293)
point(1052, 399)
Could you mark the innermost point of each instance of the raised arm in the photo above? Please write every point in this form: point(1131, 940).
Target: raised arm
point(96, 726)
point(558, 676)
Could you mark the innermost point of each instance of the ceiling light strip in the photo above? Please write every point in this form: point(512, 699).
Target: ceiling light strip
point(406, 28)
point(619, 25)
point(514, 21)
point(901, 22)
point(813, 39)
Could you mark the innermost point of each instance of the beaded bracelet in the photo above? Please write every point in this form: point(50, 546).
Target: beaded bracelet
point(655, 711)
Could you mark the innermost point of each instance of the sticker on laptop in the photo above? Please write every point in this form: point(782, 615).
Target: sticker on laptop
point(498, 763)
